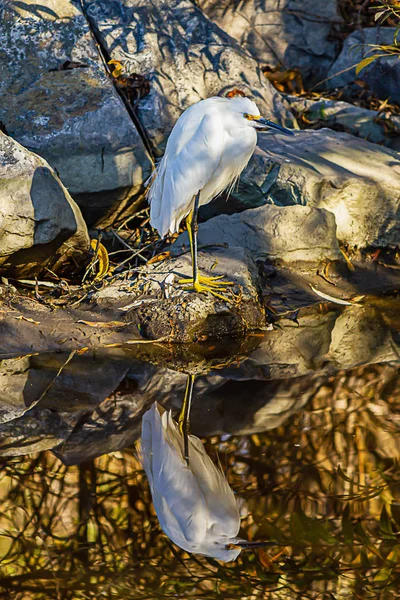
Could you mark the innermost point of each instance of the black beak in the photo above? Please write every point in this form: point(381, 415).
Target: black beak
point(246, 545)
point(265, 125)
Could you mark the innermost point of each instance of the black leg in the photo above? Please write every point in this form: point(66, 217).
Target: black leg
point(184, 417)
point(194, 228)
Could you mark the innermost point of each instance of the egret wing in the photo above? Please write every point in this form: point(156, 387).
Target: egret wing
point(222, 512)
point(177, 498)
point(184, 170)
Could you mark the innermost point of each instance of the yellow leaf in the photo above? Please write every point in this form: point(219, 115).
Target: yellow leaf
point(348, 261)
point(379, 14)
point(365, 62)
point(159, 257)
point(117, 67)
point(104, 261)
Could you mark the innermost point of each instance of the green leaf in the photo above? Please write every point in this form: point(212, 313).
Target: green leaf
point(383, 575)
point(379, 14)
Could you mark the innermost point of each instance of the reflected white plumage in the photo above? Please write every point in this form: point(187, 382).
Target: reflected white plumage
point(208, 148)
point(195, 506)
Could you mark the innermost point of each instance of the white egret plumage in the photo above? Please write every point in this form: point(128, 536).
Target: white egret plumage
point(195, 506)
point(209, 146)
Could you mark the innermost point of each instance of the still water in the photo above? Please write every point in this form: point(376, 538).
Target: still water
point(304, 421)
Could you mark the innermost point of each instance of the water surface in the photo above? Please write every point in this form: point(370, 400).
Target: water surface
point(304, 420)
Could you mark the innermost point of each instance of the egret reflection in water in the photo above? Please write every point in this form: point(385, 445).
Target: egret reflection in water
point(195, 506)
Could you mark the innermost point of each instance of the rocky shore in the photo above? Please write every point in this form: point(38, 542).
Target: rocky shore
point(78, 143)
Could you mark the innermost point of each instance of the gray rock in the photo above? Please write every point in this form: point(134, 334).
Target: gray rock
point(293, 350)
point(382, 76)
point(162, 309)
point(289, 234)
point(117, 422)
point(360, 336)
point(44, 397)
point(370, 125)
point(287, 33)
point(184, 56)
point(357, 181)
point(39, 221)
point(73, 118)
point(33, 432)
point(219, 411)
point(13, 378)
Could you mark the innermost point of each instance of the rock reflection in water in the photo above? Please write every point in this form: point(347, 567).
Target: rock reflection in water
point(92, 403)
point(312, 451)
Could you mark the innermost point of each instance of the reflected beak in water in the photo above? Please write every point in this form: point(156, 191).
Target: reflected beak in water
point(246, 545)
point(265, 125)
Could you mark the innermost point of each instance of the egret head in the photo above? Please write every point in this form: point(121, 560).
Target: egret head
point(228, 549)
point(262, 124)
point(248, 111)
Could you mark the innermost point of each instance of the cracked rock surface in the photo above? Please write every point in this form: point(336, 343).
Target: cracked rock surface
point(68, 113)
point(289, 234)
point(287, 33)
point(185, 56)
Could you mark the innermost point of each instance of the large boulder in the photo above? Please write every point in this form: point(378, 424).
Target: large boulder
point(382, 75)
point(289, 234)
point(184, 56)
point(39, 221)
point(68, 112)
point(281, 33)
point(357, 181)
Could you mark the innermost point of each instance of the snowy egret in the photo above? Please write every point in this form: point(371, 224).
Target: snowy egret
point(195, 506)
point(209, 146)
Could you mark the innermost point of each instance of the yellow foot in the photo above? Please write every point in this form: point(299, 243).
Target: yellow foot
point(212, 285)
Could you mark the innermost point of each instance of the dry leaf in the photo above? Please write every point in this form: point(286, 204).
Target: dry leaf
point(102, 257)
point(105, 324)
point(265, 559)
point(159, 257)
point(117, 68)
point(348, 261)
point(22, 318)
point(330, 298)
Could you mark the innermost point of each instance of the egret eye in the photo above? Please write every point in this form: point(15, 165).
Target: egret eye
point(251, 117)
